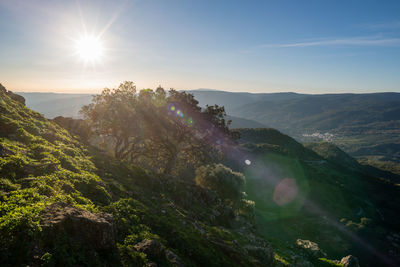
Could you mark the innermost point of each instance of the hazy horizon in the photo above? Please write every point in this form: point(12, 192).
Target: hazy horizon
point(98, 91)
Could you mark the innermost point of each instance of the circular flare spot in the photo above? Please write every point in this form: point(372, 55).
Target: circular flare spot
point(248, 162)
point(285, 192)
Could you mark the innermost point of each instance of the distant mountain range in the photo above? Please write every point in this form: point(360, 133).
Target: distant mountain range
point(53, 104)
point(364, 125)
point(233, 100)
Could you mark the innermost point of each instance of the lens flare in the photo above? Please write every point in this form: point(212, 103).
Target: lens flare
point(285, 192)
point(247, 162)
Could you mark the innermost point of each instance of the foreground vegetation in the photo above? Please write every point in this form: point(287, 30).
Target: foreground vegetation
point(150, 178)
point(53, 187)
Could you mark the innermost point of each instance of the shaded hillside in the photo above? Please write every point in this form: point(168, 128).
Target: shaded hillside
point(271, 139)
point(363, 125)
point(328, 198)
point(243, 123)
point(334, 154)
point(326, 112)
point(387, 151)
point(338, 157)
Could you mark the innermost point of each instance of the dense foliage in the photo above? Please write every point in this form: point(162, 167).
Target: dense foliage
point(164, 131)
point(228, 184)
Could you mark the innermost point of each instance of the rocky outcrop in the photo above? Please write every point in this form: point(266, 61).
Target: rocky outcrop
point(94, 230)
point(173, 258)
point(350, 261)
point(155, 250)
point(13, 96)
point(311, 248)
point(2, 89)
point(150, 247)
point(16, 97)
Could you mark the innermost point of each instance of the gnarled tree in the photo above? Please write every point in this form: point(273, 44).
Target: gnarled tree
point(164, 130)
point(113, 116)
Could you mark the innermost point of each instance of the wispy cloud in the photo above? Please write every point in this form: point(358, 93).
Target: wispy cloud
point(391, 25)
point(355, 41)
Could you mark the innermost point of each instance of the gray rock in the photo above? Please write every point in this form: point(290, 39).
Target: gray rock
point(311, 248)
point(173, 258)
point(95, 230)
point(155, 249)
point(350, 261)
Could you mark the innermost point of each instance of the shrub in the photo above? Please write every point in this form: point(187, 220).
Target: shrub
point(229, 185)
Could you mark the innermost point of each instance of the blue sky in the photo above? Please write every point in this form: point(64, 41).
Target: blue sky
point(258, 46)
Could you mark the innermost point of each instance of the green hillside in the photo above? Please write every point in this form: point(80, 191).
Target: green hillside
point(326, 197)
point(71, 199)
point(66, 204)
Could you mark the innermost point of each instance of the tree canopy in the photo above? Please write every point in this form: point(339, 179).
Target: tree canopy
point(165, 130)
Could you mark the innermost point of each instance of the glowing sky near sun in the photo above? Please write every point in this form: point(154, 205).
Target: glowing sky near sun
point(259, 46)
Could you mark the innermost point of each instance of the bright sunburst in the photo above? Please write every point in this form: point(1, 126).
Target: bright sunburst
point(89, 48)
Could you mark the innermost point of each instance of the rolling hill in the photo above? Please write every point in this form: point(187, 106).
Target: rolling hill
point(367, 126)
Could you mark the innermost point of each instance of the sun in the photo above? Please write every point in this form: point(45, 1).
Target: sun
point(89, 48)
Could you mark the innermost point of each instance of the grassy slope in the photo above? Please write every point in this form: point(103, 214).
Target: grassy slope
point(44, 164)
